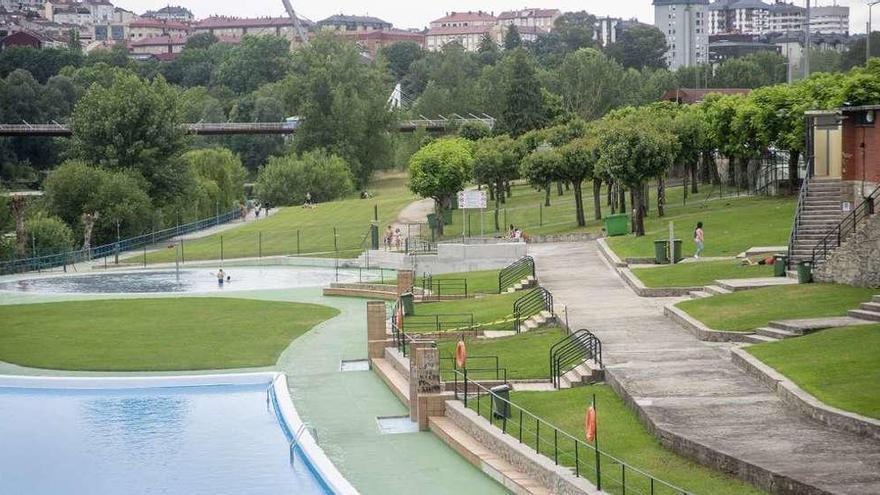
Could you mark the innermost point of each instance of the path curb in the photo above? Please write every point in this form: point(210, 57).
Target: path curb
point(643, 291)
point(609, 254)
point(802, 400)
point(701, 331)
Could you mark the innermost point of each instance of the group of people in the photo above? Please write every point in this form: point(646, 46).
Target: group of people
point(392, 238)
point(222, 277)
point(514, 233)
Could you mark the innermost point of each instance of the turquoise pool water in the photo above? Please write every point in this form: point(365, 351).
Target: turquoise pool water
point(175, 440)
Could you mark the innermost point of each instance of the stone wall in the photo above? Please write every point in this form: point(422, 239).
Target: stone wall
point(857, 261)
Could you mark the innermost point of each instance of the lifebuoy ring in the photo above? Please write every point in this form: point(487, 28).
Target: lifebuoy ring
point(398, 318)
point(590, 423)
point(460, 354)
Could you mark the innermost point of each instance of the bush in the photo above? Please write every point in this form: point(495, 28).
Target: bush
point(48, 235)
point(223, 169)
point(286, 180)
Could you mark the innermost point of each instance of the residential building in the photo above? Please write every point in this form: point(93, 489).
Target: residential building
point(754, 17)
point(609, 28)
point(373, 41)
point(22, 38)
point(341, 22)
point(735, 45)
point(829, 19)
point(236, 27)
point(465, 19)
point(533, 20)
point(784, 17)
point(171, 13)
point(158, 44)
point(466, 28)
point(148, 28)
point(78, 15)
point(23, 5)
point(686, 26)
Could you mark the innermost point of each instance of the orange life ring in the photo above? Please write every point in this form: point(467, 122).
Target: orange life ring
point(590, 424)
point(399, 317)
point(460, 354)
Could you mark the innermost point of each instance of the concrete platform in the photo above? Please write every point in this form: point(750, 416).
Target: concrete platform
point(808, 325)
point(735, 285)
point(755, 251)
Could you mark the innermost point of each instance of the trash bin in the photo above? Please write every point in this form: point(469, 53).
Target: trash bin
point(617, 224)
point(661, 250)
point(676, 248)
point(453, 205)
point(432, 221)
point(500, 401)
point(780, 263)
point(374, 236)
point(406, 299)
point(805, 272)
point(447, 217)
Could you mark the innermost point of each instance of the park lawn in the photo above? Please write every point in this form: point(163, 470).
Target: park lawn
point(488, 311)
point(153, 334)
point(838, 366)
point(306, 231)
point(698, 274)
point(747, 310)
point(481, 282)
point(621, 434)
point(524, 356)
point(732, 225)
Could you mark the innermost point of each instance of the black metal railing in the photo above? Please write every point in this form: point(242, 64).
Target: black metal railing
point(796, 224)
point(438, 288)
point(572, 351)
point(481, 368)
point(607, 472)
point(439, 324)
point(533, 302)
point(848, 226)
point(516, 272)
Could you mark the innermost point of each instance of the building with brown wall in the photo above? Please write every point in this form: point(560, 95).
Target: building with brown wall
point(861, 145)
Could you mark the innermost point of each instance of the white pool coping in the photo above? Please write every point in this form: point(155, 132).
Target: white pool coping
point(307, 444)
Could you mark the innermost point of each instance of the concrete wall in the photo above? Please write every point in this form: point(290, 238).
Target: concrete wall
point(857, 261)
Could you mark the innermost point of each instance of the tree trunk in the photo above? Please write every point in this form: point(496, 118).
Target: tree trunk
point(661, 196)
point(498, 198)
point(438, 210)
point(793, 158)
point(638, 210)
point(567, 186)
point(500, 192)
point(693, 171)
point(621, 198)
point(491, 193)
point(88, 220)
point(579, 203)
point(19, 205)
point(508, 189)
point(597, 199)
point(547, 195)
point(610, 187)
point(559, 191)
point(646, 196)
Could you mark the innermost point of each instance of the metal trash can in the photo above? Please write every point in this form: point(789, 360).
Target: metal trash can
point(805, 272)
point(406, 299)
point(617, 224)
point(780, 262)
point(501, 401)
point(432, 221)
point(676, 248)
point(661, 250)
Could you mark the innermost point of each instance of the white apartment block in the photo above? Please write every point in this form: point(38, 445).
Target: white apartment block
point(686, 26)
point(829, 19)
point(758, 18)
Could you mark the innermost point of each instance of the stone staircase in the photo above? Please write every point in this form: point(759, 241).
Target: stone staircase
point(539, 320)
point(867, 311)
point(819, 214)
point(584, 374)
point(526, 283)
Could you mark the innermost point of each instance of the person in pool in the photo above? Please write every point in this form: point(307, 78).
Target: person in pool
point(221, 277)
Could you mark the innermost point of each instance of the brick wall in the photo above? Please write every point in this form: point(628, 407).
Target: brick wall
point(861, 163)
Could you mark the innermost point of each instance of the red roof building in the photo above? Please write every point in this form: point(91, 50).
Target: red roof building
point(236, 27)
point(460, 19)
point(21, 38)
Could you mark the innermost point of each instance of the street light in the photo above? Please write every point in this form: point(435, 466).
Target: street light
point(868, 38)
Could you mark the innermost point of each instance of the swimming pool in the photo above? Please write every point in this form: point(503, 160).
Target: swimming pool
point(199, 280)
point(157, 435)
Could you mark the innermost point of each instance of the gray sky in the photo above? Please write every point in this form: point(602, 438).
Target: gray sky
point(419, 13)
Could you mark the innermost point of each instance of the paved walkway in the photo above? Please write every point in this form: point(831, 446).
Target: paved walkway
point(690, 390)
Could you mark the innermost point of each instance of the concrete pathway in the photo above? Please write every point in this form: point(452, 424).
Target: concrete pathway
point(699, 402)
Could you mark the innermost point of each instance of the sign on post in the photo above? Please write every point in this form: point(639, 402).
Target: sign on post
point(472, 200)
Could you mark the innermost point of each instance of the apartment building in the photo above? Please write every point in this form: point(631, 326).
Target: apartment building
point(685, 23)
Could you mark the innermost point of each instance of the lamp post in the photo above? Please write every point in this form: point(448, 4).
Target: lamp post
point(807, 42)
point(871, 4)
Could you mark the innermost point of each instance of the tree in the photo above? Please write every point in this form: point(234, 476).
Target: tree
point(495, 163)
point(571, 32)
point(512, 39)
point(523, 102)
point(48, 235)
point(854, 55)
point(590, 83)
point(286, 180)
point(123, 206)
point(133, 125)
point(222, 168)
point(201, 41)
point(41, 63)
point(474, 131)
point(487, 50)
point(577, 162)
point(439, 170)
point(72, 189)
point(400, 57)
point(541, 169)
point(639, 47)
point(256, 61)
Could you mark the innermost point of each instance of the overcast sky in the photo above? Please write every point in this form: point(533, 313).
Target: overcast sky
point(418, 13)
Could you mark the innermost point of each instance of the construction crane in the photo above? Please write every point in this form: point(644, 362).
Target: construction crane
point(303, 36)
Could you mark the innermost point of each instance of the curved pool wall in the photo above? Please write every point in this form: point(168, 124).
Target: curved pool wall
point(306, 448)
point(189, 280)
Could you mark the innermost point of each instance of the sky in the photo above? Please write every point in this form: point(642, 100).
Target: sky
point(418, 14)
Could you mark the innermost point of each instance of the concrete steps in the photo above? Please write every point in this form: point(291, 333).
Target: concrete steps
point(398, 384)
point(716, 290)
point(526, 283)
point(699, 294)
point(864, 314)
point(584, 374)
point(776, 333)
point(759, 339)
point(539, 320)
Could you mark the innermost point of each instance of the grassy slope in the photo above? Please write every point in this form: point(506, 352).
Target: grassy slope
point(485, 309)
point(621, 435)
point(838, 366)
point(747, 310)
point(153, 334)
point(482, 282)
point(351, 217)
point(699, 274)
point(525, 355)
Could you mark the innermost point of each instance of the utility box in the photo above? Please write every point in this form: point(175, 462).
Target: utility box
point(406, 299)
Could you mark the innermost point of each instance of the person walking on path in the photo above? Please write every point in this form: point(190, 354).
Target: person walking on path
point(698, 239)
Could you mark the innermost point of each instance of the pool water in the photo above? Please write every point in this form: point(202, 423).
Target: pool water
point(176, 440)
point(189, 280)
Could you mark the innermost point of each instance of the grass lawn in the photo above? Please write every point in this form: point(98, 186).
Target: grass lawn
point(153, 334)
point(839, 366)
point(295, 230)
point(486, 310)
point(621, 435)
point(482, 282)
point(525, 355)
point(731, 225)
point(699, 274)
point(751, 309)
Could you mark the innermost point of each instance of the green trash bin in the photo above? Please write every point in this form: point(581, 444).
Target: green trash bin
point(676, 247)
point(501, 401)
point(432, 221)
point(780, 262)
point(447, 217)
point(617, 224)
point(805, 272)
point(374, 236)
point(661, 250)
point(406, 299)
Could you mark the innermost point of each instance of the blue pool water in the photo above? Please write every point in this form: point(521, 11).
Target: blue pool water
point(178, 440)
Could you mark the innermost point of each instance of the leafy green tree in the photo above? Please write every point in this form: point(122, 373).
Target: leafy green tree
point(524, 108)
point(474, 131)
point(221, 167)
point(201, 41)
point(571, 32)
point(512, 38)
point(541, 169)
point(577, 162)
point(71, 190)
point(41, 63)
point(495, 164)
point(400, 57)
point(256, 61)
point(48, 235)
point(133, 125)
point(826, 60)
point(439, 170)
point(123, 206)
point(854, 55)
point(286, 180)
point(590, 83)
point(639, 47)
point(254, 150)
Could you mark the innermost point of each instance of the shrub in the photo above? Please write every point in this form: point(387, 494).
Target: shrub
point(48, 235)
point(286, 180)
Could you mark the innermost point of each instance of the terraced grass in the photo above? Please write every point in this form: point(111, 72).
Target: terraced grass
point(481, 282)
point(699, 274)
point(525, 356)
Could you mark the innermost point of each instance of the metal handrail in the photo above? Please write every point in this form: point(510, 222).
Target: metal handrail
point(495, 367)
point(439, 323)
point(572, 351)
point(555, 440)
point(515, 272)
point(845, 228)
point(792, 239)
point(533, 302)
point(433, 289)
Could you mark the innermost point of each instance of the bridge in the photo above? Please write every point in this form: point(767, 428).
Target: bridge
point(441, 124)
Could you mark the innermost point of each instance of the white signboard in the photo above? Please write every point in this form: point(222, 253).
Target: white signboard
point(472, 200)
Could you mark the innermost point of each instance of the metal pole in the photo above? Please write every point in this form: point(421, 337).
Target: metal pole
point(260, 244)
point(297, 242)
point(807, 42)
point(221, 249)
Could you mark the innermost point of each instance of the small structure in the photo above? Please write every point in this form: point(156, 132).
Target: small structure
point(689, 96)
point(22, 38)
